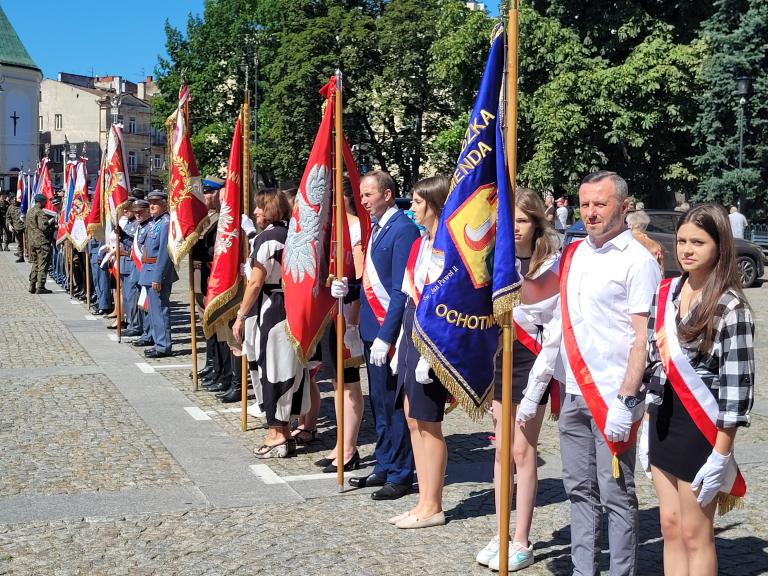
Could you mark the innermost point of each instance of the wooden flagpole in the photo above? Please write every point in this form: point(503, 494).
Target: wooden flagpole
point(246, 200)
point(118, 294)
point(510, 140)
point(340, 326)
point(68, 250)
point(87, 279)
point(192, 312)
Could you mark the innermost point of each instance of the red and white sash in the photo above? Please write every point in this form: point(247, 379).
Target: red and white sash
point(592, 397)
point(412, 283)
point(375, 293)
point(694, 394)
point(528, 339)
point(136, 250)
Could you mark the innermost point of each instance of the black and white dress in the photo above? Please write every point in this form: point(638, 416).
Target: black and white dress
point(279, 379)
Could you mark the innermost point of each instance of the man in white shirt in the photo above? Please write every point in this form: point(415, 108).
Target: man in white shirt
point(738, 222)
point(610, 280)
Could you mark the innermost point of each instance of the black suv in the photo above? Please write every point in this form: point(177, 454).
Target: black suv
point(751, 261)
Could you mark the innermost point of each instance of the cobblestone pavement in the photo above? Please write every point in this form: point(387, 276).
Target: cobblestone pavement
point(111, 464)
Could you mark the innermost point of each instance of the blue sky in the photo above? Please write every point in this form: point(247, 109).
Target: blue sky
point(77, 37)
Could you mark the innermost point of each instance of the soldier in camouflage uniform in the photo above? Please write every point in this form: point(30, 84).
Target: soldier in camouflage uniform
point(39, 226)
point(5, 234)
point(15, 224)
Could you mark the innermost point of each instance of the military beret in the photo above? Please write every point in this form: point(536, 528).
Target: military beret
point(157, 195)
point(212, 184)
point(140, 203)
point(39, 198)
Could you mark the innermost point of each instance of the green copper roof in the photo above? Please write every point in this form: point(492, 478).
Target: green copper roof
point(12, 51)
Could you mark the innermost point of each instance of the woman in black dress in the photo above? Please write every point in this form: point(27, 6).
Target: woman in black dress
point(701, 383)
point(422, 396)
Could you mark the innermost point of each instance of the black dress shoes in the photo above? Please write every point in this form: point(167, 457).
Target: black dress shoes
point(231, 395)
point(391, 492)
point(154, 353)
point(44, 290)
point(219, 386)
point(130, 333)
point(141, 342)
point(367, 481)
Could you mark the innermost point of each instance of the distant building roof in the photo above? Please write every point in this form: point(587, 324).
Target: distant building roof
point(12, 51)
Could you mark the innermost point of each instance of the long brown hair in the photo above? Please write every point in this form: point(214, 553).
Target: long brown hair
point(546, 241)
point(713, 220)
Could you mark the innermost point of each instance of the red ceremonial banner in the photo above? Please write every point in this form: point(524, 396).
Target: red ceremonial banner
point(224, 283)
point(189, 215)
point(79, 209)
point(116, 181)
point(45, 187)
point(309, 248)
point(94, 222)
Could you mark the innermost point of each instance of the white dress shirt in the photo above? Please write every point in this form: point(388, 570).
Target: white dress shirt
point(605, 287)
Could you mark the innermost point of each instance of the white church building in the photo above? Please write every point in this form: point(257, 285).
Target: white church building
point(19, 106)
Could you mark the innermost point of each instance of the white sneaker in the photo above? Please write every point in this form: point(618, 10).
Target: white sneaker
point(519, 557)
point(491, 549)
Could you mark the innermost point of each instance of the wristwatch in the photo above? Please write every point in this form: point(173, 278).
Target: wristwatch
point(630, 401)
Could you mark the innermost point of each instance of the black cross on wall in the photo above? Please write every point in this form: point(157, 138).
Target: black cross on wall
point(15, 119)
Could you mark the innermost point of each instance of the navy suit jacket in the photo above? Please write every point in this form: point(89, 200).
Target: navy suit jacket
point(389, 253)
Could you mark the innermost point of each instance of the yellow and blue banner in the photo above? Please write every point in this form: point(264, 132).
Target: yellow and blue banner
point(472, 277)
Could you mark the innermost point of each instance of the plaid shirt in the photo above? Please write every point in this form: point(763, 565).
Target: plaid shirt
point(727, 368)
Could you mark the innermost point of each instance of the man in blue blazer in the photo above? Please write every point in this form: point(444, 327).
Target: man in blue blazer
point(381, 315)
point(158, 275)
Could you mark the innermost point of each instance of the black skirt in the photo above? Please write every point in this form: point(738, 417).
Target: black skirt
point(425, 401)
point(675, 443)
point(522, 362)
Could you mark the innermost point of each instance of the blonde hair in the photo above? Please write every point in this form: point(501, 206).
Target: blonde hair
point(546, 242)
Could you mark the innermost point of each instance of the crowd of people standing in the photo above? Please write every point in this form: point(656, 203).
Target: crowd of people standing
point(622, 353)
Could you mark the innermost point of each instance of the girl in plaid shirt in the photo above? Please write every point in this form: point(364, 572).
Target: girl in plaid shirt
point(700, 380)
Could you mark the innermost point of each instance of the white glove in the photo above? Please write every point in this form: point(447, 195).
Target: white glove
point(247, 225)
point(353, 341)
point(642, 450)
point(339, 288)
point(618, 422)
point(526, 410)
point(379, 352)
point(422, 372)
point(712, 476)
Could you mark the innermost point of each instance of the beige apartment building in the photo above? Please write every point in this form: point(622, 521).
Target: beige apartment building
point(76, 113)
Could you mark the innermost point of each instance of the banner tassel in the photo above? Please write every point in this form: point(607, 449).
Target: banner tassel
point(615, 466)
point(727, 502)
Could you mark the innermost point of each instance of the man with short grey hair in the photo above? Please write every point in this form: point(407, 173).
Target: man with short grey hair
point(609, 280)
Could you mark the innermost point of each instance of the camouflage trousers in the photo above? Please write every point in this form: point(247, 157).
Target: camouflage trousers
point(40, 258)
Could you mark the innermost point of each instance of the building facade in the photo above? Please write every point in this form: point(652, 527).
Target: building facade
point(19, 100)
point(76, 114)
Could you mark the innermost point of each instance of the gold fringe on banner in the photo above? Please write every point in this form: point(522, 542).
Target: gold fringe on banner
point(233, 295)
point(475, 410)
point(727, 502)
point(615, 466)
point(189, 242)
point(505, 300)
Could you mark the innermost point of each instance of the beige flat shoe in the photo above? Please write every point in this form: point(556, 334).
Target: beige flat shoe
point(412, 522)
point(395, 519)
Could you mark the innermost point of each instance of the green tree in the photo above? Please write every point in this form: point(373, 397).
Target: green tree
point(209, 58)
point(737, 38)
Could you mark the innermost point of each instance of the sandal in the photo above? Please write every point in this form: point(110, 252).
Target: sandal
point(304, 436)
point(281, 450)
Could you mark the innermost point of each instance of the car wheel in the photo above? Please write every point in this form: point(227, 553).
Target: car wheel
point(747, 270)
